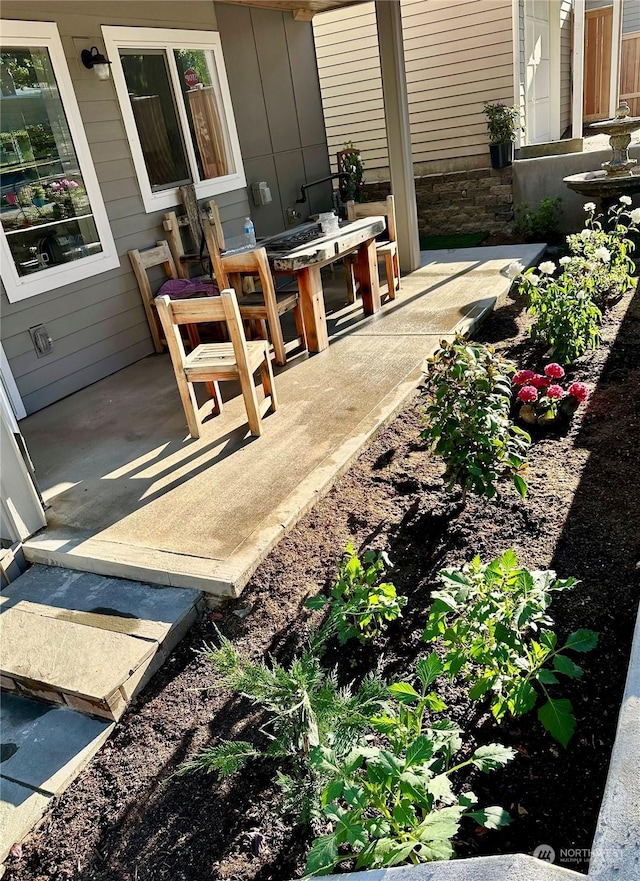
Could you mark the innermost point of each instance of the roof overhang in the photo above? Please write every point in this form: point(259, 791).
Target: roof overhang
point(302, 10)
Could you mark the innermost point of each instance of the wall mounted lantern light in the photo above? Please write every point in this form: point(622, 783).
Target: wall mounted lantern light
point(93, 59)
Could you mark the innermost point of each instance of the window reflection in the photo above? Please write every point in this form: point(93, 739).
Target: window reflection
point(44, 208)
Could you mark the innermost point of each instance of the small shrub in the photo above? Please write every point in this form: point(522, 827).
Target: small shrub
point(502, 122)
point(469, 421)
point(540, 224)
point(567, 319)
point(600, 263)
point(494, 624)
point(395, 803)
point(361, 603)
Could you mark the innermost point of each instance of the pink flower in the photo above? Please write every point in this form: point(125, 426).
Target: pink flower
point(540, 382)
point(73, 185)
point(579, 391)
point(54, 186)
point(554, 371)
point(522, 377)
point(555, 391)
point(527, 394)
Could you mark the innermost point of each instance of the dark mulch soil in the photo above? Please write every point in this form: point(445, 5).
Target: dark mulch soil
point(127, 818)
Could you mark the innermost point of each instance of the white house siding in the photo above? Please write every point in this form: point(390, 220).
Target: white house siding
point(458, 54)
point(98, 326)
point(631, 17)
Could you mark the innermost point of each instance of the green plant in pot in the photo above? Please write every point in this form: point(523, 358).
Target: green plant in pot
point(502, 122)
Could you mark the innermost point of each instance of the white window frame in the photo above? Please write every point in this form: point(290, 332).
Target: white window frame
point(25, 34)
point(116, 38)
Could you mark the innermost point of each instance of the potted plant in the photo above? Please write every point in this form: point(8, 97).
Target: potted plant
point(502, 122)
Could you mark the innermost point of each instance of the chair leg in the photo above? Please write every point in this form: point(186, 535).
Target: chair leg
point(194, 335)
point(268, 383)
point(214, 393)
point(250, 396)
point(349, 272)
point(396, 272)
point(189, 404)
point(300, 329)
point(391, 278)
point(276, 338)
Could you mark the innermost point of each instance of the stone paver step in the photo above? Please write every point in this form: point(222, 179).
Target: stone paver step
point(87, 641)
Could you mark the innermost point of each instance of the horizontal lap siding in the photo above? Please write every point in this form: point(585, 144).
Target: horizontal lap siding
point(458, 54)
point(98, 325)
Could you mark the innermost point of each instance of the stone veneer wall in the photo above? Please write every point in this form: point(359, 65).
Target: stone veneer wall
point(478, 200)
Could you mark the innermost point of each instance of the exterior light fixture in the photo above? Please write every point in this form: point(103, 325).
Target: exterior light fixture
point(93, 59)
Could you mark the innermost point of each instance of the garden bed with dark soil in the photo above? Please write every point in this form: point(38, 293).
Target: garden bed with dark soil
point(127, 818)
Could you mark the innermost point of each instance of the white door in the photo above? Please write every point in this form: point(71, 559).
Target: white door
point(21, 510)
point(540, 38)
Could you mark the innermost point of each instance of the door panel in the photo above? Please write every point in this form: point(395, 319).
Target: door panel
point(538, 72)
point(598, 32)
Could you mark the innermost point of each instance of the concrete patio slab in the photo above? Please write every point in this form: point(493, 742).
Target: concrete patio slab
point(132, 495)
point(49, 745)
point(20, 810)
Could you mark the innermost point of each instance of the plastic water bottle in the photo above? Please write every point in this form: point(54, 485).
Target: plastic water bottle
point(249, 231)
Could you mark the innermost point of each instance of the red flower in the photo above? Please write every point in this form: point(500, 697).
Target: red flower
point(528, 394)
point(554, 371)
point(523, 377)
point(579, 391)
point(540, 382)
point(555, 391)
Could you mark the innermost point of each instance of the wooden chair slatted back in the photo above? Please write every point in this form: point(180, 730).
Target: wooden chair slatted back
point(197, 310)
point(356, 210)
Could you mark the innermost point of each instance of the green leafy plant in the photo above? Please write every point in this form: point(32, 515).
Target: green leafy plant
point(304, 706)
point(600, 262)
point(502, 122)
point(469, 422)
point(361, 603)
point(494, 624)
point(395, 803)
point(350, 162)
point(566, 318)
point(541, 224)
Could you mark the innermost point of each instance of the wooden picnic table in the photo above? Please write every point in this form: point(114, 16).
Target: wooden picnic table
point(289, 253)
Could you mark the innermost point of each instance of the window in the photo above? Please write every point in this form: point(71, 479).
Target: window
point(53, 226)
point(176, 106)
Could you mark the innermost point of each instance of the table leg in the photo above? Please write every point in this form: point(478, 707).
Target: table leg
point(367, 276)
point(312, 303)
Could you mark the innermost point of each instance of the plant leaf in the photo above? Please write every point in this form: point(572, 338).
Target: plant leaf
point(493, 817)
point(581, 641)
point(492, 756)
point(404, 692)
point(319, 601)
point(557, 717)
point(418, 751)
point(323, 856)
point(565, 665)
point(428, 669)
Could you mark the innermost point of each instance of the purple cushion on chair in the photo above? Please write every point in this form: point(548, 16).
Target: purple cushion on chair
point(181, 288)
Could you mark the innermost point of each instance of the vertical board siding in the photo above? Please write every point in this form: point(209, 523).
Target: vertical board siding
point(98, 325)
point(270, 59)
point(458, 54)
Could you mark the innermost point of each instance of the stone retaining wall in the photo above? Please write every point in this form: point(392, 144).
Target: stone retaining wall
point(478, 200)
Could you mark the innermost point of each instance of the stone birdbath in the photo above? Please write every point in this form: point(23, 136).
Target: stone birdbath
point(617, 177)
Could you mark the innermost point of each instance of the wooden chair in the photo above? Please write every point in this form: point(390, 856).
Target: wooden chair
point(215, 362)
point(265, 306)
point(142, 262)
point(387, 251)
